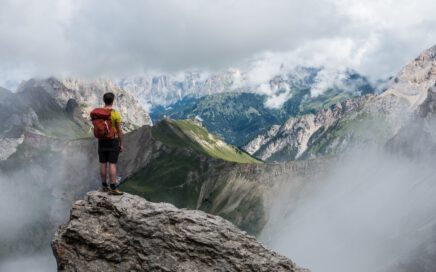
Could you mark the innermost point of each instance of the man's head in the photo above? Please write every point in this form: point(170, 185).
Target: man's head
point(108, 99)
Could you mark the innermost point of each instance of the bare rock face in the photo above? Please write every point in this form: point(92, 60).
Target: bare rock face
point(88, 94)
point(407, 91)
point(293, 137)
point(128, 233)
point(413, 81)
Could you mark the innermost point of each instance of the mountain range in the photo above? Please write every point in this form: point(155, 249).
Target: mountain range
point(165, 90)
point(239, 115)
point(202, 162)
point(333, 130)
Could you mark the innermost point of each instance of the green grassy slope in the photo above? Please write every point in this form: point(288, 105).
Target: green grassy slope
point(173, 177)
point(187, 134)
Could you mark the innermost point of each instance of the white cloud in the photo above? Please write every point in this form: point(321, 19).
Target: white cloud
point(277, 100)
point(95, 38)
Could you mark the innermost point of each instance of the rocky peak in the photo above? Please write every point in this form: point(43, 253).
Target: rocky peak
point(428, 55)
point(88, 95)
point(128, 233)
point(413, 81)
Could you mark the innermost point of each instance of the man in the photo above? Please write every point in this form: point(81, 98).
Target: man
point(109, 149)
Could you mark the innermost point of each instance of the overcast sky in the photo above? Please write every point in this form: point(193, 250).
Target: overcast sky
point(115, 38)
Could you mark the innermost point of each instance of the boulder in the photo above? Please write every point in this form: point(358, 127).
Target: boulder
point(127, 233)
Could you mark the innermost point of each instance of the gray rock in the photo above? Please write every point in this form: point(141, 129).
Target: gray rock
point(292, 139)
point(128, 233)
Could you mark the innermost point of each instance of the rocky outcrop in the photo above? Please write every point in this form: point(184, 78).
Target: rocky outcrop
point(261, 140)
point(407, 91)
point(413, 81)
point(290, 140)
point(128, 233)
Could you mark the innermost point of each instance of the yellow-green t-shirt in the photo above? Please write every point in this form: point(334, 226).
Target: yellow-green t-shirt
point(116, 119)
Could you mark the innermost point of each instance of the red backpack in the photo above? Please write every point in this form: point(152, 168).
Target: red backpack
point(102, 122)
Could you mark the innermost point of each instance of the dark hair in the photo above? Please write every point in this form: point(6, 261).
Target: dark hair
point(108, 98)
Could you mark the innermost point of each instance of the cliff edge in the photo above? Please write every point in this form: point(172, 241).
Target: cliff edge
point(128, 233)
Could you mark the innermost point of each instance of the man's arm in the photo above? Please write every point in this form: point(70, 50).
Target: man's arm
point(120, 136)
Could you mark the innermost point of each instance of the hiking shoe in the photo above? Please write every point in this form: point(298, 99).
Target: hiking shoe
point(115, 191)
point(105, 189)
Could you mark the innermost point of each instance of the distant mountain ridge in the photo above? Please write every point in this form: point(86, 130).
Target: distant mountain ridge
point(240, 116)
point(375, 120)
point(164, 90)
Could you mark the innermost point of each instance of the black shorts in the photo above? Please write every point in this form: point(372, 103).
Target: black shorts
point(108, 151)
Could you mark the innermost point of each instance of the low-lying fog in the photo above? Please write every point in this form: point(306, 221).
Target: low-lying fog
point(373, 212)
point(36, 197)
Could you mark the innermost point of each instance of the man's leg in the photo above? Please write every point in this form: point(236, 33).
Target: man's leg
point(113, 159)
point(103, 176)
point(113, 172)
point(113, 175)
point(103, 173)
point(103, 159)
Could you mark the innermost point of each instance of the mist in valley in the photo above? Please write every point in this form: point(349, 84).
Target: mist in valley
point(374, 211)
point(35, 199)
